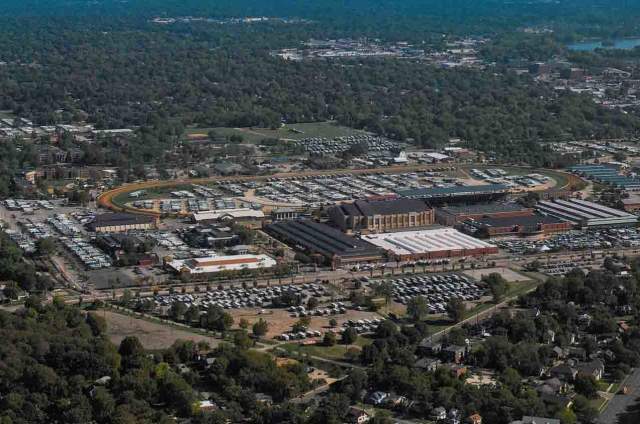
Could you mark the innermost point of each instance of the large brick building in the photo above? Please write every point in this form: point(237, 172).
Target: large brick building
point(121, 222)
point(528, 225)
point(380, 216)
point(453, 215)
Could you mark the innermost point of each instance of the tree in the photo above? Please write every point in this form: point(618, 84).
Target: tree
point(417, 308)
point(244, 324)
point(386, 329)
point(312, 303)
point(349, 336)
point(177, 310)
point(584, 410)
point(260, 328)
point(567, 416)
point(242, 340)
point(455, 309)
point(497, 285)
point(329, 339)
point(586, 386)
point(216, 319)
point(333, 323)
point(383, 417)
point(46, 246)
point(97, 324)
point(384, 289)
point(192, 314)
point(302, 324)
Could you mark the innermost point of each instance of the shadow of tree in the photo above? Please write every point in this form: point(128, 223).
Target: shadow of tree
point(631, 415)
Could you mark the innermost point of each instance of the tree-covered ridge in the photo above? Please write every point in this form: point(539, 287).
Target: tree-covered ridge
point(399, 17)
point(222, 76)
point(58, 366)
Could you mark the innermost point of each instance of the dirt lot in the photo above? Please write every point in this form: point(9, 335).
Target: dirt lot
point(280, 321)
point(508, 274)
point(153, 336)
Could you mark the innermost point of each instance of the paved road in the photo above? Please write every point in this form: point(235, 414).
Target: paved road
point(620, 403)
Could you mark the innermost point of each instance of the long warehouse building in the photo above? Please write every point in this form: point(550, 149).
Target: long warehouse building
point(430, 244)
point(435, 196)
point(586, 214)
point(316, 238)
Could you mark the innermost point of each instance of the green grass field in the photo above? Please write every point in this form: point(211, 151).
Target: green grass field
point(151, 193)
point(288, 132)
point(336, 352)
point(560, 178)
point(6, 114)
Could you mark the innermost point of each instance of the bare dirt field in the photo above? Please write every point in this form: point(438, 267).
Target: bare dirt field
point(153, 336)
point(508, 274)
point(280, 321)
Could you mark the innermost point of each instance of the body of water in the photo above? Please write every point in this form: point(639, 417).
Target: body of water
point(589, 46)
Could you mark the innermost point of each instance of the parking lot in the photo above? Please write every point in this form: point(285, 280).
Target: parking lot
point(436, 289)
point(255, 303)
point(318, 191)
point(247, 297)
point(574, 240)
point(337, 145)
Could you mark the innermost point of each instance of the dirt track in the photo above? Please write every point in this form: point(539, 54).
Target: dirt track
point(106, 199)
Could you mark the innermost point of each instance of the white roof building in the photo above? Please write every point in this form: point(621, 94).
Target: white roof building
point(586, 214)
point(221, 214)
point(434, 243)
point(214, 264)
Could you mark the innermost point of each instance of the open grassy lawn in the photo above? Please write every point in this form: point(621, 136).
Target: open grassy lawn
point(336, 352)
point(151, 193)
point(560, 178)
point(6, 114)
point(289, 131)
point(521, 287)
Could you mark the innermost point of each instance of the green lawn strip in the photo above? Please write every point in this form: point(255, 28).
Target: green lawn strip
point(150, 194)
point(289, 131)
point(336, 352)
point(560, 178)
point(598, 404)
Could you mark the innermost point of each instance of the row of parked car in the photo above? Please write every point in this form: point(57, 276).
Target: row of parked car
point(575, 240)
point(363, 325)
point(242, 297)
point(334, 308)
point(436, 289)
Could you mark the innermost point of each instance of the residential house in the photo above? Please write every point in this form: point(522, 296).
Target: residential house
point(207, 406)
point(357, 415)
point(439, 414)
point(396, 401)
point(593, 369)
point(549, 336)
point(577, 353)
point(474, 419)
point(453, 417)
point(454, 353)
point(555, 385)
point(558, 352)
point(458, 371)
point(378, 398)
point(563, 372)
point(429, 347)
point(428, 364)
point(264, 399)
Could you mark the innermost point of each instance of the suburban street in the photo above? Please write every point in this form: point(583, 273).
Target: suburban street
point(621, 403)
